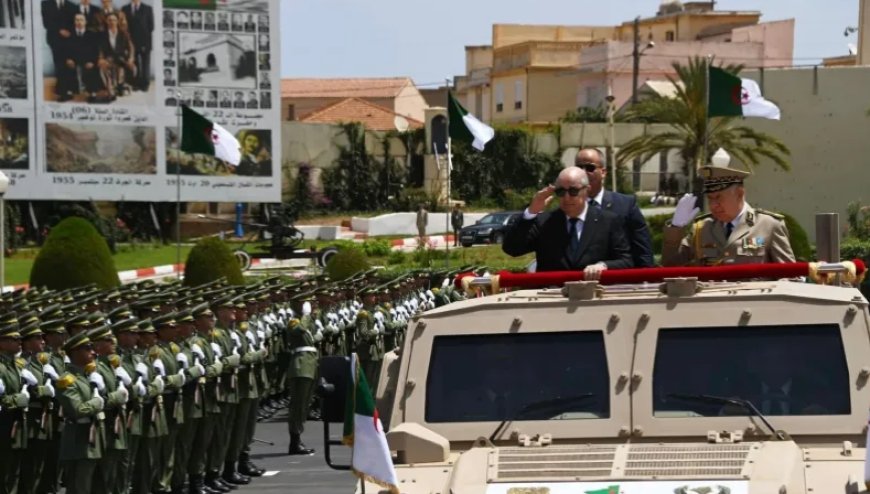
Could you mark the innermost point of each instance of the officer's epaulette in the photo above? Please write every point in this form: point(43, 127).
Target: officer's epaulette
point(214, 333)
point(703, 217)
point(175, 349)
point(43, 357)
point(65, 381)
point(770, 213)
point(294, 322)
point(114, 360)
point(363, 313)
point(20, 363)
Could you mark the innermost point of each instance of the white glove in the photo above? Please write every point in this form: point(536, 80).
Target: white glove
point(445, 283)
point(2, 388)
point(49, 387)
point(123, 390)
point(282, 311)
point(686, 211)
point(99, 401)
point(142, 370)
point(217, 351)
point(140, 388)
point(183, 377)
point(66, 359)
point(268, 332)
point(319, 325)
point(182, 359)
point(122, 374)
point(22, 399)
point(50, 371)
point(159, 367)
point(261, 334)
point(158, 382)
point(251, 338)
point(28, 377)
point(197, 350)
point(235, 337)
point(306, 308)
point(97, 380)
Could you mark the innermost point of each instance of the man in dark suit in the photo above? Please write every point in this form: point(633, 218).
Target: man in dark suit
point(140, 18)
point(93, 15)
point(573, 237)
point(116, 51)
point(625, 206)
point(57, 19)
point(82, 54)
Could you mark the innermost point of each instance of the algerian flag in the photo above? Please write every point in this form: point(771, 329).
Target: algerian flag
point(200, 135)
point(731, 96)
point(465, 127)
point(371, 459)
point(190, 4)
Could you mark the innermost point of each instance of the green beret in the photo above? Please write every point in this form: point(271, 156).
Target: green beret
point(76, 341)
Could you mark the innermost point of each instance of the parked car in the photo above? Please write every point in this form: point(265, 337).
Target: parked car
point(488, 230)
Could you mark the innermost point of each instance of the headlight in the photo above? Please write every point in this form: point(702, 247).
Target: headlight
point(485, 231)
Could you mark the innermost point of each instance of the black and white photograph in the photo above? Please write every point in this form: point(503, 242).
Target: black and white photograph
point(168, 19)
point(78, 68)
point(265, 80)
point(74, 148)
point(171, 99)
point(14, 144)
point(252, 103)
point(12, 14)
point(263, 23)
point(239, 100)
point(217, 60)
point(238, 22)
point(169, 57)
point(223, 21)
point(265, 100)
point(212, 101)
point(256, 6)
point(168, 38)
point(250, 24)
point(198, 99)
point(256, 153)
point(168, 77)
point(226, 99)
point(13, 77)
point(185, 96)
point(196, 20)
point(263, 42)
point(264, 63)
point(208, 23)
point(182, 20)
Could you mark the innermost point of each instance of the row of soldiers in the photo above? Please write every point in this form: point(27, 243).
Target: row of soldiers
point(154, 387)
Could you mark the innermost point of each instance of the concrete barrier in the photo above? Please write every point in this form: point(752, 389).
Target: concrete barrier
point(406, 223)
point(317, 232)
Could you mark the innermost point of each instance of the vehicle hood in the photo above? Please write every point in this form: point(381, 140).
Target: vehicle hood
point(483, 226)
point(685, 468)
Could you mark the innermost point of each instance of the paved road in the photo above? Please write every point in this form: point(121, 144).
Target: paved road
point(308, 474)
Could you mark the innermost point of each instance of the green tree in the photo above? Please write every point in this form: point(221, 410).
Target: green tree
point(74, 255)
point(346, 263)
point(210, 259)
point(686, 113)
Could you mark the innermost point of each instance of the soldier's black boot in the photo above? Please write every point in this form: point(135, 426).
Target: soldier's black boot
point(246, 467)
point(196, 485)
point(297, 447)
point(232, 476)
point(213, 483)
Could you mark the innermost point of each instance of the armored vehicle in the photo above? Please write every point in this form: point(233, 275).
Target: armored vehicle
point(682, 386)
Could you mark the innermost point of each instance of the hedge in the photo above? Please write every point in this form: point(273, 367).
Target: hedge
point(209, 260)
point(74, 255)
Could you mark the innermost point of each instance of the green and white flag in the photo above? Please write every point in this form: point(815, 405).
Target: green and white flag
point(731, 96)
point(465, 127)
point(190, 4)
point(200, 135)
point(371, 459)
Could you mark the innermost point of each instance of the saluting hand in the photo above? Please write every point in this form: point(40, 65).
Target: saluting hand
point(541, 199)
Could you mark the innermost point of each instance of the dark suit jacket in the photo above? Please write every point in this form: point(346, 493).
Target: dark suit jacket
point(122, 51)
point(83, 50)
point(636, 231)
point(603, 239)
point(141, 25)
point(54, 19)
point(93, 19)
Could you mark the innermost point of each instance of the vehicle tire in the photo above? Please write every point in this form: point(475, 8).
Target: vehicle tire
point(244, 259)
point(325, 255)
point(466, 245)
point(497, 238)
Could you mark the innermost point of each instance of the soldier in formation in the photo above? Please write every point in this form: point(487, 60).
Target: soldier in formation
point(158, 388)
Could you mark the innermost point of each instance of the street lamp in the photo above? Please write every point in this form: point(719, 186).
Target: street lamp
point(720, 158)
point(4, 185)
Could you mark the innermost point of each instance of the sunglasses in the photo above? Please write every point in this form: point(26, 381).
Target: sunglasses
point(572, 191)
point(588, 167)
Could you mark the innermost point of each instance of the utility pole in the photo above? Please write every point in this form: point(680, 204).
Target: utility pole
point(636, 55)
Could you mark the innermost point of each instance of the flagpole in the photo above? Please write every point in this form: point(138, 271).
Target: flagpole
point(449, 169)
point(705, 150)
point(177, 169)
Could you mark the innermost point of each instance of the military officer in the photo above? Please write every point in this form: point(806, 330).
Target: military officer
point(14, 401)
point(369, 338)
point(303, 371)
point(732, 233)
point(40, 413)
point(55, 336)
point(126, 332)
point(253, 355)
point(154, 426)
point(163, 358)
point(83, 439)
point(115, 380)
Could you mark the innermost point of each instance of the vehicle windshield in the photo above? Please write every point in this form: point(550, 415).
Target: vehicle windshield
point(782, 370)
point(483, 378)
point(493, 219)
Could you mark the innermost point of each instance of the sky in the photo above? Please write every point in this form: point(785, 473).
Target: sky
point(426, 40)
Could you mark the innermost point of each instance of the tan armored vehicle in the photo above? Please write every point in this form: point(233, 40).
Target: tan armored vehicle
point(677, 387)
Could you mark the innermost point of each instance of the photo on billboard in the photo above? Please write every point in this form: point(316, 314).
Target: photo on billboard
point(13, 77)
point(12, 14)
point(14, 144)
point(77, 148)
point(97, 51)
point(256, 145)
point(217, 60)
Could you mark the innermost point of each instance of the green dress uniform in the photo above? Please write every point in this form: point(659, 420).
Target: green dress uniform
point(165, 352)
point(51, 476)
point(228, 400)
point(205, 430)
point(135, 419)
point(154, 429)
point(303, 371)
point(192, 410)
point(13, 420)
point(370, 345)
point(249, 372)
point(115, 426)
point(759, 237)
point(83, 440)
point(40, 427)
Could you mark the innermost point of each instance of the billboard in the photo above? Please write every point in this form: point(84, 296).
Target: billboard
point(90, 95)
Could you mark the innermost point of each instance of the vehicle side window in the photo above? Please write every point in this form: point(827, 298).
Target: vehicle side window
point(782, 370)
point(531, 376)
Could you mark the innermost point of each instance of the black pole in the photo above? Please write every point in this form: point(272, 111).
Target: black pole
point(636, 55)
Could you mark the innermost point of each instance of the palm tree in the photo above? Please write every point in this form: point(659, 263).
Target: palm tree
point(686, 112)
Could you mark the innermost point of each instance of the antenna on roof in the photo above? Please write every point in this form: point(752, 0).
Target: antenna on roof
point(401, 123)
